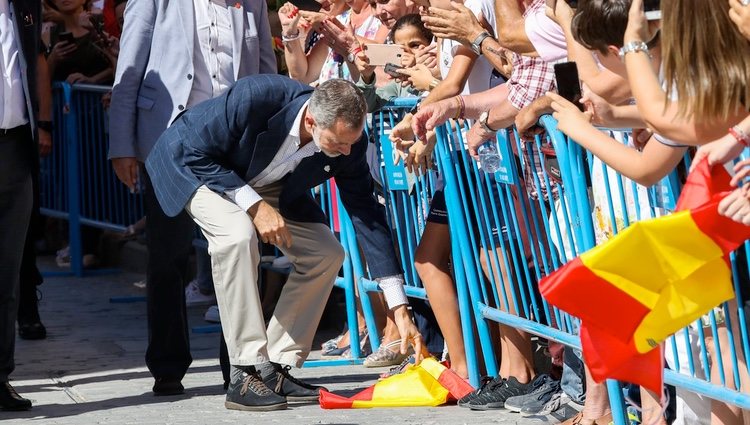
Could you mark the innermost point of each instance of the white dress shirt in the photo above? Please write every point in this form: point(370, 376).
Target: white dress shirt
point(212, 51)
point(13, 107)
point(284, 162)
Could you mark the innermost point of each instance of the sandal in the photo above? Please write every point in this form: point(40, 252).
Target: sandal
point(385, 356)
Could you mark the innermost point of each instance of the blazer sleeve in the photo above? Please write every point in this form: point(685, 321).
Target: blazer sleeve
point(356, 188)
point(268, 63)
point(135, 47)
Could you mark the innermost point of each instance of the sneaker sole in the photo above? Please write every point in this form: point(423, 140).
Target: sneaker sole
point(294, 399)
point(514, 409)
point(236, 406)
point(487, 407)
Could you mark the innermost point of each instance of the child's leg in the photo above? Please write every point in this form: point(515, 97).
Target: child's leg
point(432, 264)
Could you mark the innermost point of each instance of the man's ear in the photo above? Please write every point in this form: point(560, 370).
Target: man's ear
point(309, 121)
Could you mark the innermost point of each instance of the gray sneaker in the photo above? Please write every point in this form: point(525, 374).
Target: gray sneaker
point(540, 386)
point(543, 406)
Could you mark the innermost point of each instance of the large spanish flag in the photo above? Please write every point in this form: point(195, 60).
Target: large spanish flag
point(427, 384)
point(654, 278)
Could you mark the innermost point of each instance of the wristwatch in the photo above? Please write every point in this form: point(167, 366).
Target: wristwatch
point(476, 45)
point(483, 122)
point(634, 46)
point(45, 125)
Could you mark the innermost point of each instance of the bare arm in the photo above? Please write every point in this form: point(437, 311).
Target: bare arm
point(511, 31)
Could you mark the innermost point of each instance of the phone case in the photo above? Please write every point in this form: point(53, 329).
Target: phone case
point(381, 54)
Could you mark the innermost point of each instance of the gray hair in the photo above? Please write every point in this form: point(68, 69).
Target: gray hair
point(338, 100)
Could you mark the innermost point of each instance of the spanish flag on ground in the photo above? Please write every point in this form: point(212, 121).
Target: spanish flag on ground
point(427, 384)
point(654, 278)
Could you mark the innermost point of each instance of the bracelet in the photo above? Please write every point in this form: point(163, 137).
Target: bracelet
point(434, 83)
point(287, 38)
point(740, 135)
point(462, 110)
point(458, 108)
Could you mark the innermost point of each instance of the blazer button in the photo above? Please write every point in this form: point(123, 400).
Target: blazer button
point(181, 107)
point(190, 76)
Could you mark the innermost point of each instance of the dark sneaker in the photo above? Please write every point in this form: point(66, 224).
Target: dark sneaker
point(248, 392)
point(541, 386)
point(545, 404)
point(487, 382)
point(495, 395)
point(285, 385)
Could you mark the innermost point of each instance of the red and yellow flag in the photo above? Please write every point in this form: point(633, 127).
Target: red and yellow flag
point(654, 278)
point(427, 384)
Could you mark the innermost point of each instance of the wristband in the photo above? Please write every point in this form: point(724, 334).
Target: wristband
point(287, 38)
point(434, 83)
point(458, 108)
point(740, 135)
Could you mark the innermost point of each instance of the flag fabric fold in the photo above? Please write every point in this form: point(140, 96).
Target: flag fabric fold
point(652, 279)
point(427, 384)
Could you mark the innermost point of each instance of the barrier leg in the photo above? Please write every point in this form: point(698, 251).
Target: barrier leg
point(73, 184)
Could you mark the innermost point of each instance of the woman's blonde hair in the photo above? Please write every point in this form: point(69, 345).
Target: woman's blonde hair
point(705, 59)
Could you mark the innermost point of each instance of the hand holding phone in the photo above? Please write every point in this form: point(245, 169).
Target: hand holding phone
point(568, 83)
point(67, 37)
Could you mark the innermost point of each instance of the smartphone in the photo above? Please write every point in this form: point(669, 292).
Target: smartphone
point(381, 54)
point(652, 9)
point(393, 70)
point(66, 36)
point(568, 83)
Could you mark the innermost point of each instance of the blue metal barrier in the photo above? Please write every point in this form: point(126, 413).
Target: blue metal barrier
point(616, 203)
point(76, 180)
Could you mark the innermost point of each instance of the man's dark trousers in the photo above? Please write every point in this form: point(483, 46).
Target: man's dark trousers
point(169, 242)
point(17, 152)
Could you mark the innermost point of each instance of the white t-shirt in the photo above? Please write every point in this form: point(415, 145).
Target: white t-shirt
point(479, 77)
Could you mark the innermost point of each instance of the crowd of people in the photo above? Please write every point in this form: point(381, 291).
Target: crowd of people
point(212, 135)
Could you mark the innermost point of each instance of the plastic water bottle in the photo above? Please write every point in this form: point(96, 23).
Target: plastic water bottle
point(489, 157)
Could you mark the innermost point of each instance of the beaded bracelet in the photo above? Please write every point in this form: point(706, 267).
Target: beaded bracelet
point(740, 135)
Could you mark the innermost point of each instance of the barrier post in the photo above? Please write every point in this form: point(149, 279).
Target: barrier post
point(74, 182)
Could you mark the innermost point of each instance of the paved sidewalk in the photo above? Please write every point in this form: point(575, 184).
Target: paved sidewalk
point(90, 370)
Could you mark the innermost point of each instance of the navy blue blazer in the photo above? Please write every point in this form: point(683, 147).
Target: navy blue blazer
point(226, 141)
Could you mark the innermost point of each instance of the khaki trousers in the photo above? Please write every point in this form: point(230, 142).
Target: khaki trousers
point(316, 258)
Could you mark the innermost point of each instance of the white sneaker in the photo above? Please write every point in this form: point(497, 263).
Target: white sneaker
point(194, 296)
point(212, 314)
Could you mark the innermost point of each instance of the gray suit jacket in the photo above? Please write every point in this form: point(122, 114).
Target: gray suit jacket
point(155, 68)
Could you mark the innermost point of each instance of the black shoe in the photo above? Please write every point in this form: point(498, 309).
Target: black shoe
point(487, 381)
point(494, 396)
point(31, 330)
point(10, 400)
point(284, 384)
point(248, 392)
point(168, 386)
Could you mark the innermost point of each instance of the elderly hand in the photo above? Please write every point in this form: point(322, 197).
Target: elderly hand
point(340, 37)
point(430, 116)
point(526, 122)
point(739, 13)
point(458, 24)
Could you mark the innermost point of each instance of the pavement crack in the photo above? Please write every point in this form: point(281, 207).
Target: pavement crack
point(71, 392)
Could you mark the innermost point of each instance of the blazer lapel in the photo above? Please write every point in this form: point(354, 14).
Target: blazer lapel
point(238, 16)
point(267, 143)
point(186, 9)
